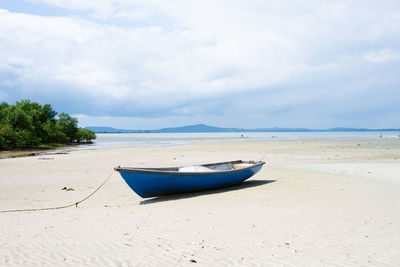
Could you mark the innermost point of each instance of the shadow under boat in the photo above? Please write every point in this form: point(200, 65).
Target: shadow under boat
point(172, 197)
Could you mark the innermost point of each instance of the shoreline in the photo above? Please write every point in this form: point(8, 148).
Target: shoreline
point(130, 140)
point(39, 151)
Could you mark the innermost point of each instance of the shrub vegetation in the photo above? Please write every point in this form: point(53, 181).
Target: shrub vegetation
point(28, 125)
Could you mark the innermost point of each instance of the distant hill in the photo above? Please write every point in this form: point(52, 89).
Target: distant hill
point(203, 128)
point(101, 129)
point(198, 128)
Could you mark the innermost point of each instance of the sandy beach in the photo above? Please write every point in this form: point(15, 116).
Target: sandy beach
point(314, 203)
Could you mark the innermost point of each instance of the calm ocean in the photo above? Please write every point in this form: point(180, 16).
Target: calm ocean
point(115, 140)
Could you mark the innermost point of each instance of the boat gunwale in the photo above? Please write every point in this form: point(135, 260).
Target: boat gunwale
point(168, 170)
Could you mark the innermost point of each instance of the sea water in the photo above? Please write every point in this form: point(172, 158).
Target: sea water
point(116, 140)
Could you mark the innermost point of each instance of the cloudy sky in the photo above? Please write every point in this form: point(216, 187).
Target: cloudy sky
point(152, 64)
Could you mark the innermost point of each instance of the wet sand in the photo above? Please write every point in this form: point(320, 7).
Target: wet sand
point(314, 203)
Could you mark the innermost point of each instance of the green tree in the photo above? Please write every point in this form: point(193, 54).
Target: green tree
point(68, 125)
point(85, 135)
point(54, 133)
point(3, 105)
point(7, 136)
point(29, 124)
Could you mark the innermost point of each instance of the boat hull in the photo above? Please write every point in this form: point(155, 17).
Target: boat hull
point(156, 183)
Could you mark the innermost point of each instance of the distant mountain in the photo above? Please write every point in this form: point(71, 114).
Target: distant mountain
point(198, 128)
point(101, 129)
point(340, 129)
point(202, 128)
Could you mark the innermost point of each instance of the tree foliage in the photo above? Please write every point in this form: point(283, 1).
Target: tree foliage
point(28, 124)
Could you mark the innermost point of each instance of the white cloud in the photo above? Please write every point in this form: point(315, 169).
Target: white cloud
point(381, 56)
point(158, 58)
point(100, 9)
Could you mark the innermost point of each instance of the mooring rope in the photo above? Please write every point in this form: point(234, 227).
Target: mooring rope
point(62, 207)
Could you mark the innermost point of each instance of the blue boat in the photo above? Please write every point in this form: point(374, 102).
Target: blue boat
point(151, 182)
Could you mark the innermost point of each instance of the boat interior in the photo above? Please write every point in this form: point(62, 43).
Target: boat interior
point(212, 167)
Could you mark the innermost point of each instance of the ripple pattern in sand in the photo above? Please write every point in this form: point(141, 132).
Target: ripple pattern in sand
point(107, 237)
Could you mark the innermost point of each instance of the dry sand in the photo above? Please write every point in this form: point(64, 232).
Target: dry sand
point(315, 203)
